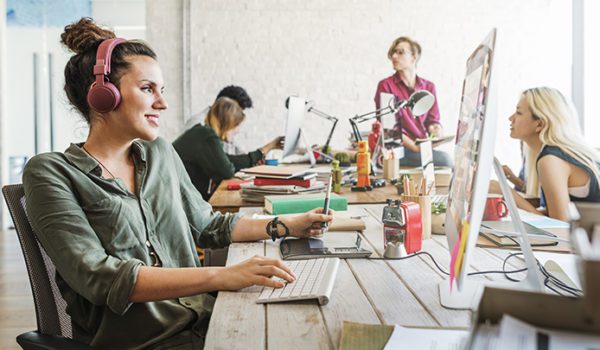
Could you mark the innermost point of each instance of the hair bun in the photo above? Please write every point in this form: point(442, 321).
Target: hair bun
point(84, 35)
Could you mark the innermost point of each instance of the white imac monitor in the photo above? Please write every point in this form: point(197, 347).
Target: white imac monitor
point(295, 118)
point(473, 159)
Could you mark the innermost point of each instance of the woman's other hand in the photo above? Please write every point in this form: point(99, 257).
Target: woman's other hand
point(307, 224)
point(435, 130)
point(276, 143)
point(258, 270)
point(508, 172)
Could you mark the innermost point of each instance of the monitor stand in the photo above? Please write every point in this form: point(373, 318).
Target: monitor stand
point(311, 155)
point(467, 297)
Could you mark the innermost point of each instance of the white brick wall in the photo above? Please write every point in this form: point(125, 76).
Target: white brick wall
point(3, 210)
point(334, 52)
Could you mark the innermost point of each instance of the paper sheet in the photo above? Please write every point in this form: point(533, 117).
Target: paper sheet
point(430, 339)
point(519, 335)
point(541, 221)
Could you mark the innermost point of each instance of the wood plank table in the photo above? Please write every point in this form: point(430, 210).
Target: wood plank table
point(403, 292)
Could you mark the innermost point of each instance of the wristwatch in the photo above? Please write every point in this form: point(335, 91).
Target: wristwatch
point(272, 229)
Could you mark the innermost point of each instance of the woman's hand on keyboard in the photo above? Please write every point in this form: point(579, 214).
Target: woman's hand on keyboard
point(307, 224)
point(257, 270)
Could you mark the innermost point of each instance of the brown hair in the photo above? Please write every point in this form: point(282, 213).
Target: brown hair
point(224, 115)
point(414, 46)
point(83, 38)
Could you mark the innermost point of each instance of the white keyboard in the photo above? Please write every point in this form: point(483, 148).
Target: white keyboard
point(314, 280)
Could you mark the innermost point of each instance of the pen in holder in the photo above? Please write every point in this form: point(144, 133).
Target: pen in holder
point(424, 202)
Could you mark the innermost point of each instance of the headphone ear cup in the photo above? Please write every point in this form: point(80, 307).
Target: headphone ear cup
point(103, 98)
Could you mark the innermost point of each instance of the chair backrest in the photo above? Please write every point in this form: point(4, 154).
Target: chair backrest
point(50, 307)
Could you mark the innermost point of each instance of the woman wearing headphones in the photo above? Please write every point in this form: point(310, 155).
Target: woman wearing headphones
point(120, 218)
point(557, 160)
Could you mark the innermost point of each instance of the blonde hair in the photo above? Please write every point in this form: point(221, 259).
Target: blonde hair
point(414, 46)
point(224, 115)
point(560, 128)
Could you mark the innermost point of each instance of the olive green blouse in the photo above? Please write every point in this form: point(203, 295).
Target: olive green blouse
point(95, 232)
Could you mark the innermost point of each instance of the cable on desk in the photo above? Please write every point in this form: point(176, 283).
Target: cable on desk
point(444, 271)
point(550, 281)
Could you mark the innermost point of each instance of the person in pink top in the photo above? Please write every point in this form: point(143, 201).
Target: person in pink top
point(404, 53)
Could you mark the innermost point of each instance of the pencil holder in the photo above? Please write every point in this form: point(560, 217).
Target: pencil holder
point(424, 203)
point(391, 168)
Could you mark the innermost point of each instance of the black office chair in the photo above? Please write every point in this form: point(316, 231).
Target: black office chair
point(54, 324)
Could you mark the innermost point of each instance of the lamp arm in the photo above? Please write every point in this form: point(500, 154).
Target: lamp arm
point(355, 130)
point(374, 114)
point(335, 121)
point(322, 114)
point(328, 117)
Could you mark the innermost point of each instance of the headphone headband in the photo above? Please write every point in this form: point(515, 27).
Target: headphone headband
point(103, 96)
point(103, 55)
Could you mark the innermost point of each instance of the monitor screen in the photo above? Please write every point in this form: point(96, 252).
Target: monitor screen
point(295, 118)
point(473, 158)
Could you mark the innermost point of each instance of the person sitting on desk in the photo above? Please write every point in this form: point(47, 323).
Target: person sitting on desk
point(119, 217)
point(201, 148)
point(404, 54)
point(558, 160)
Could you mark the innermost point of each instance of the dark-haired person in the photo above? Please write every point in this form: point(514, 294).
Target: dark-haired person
point(120, 218)
point(404, 53)
point(239, 95)
point(201, 147)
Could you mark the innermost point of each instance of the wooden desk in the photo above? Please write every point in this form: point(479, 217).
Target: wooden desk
point(403, 292)
point(230, 201)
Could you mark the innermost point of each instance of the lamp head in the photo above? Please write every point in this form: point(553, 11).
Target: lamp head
point(420, 102)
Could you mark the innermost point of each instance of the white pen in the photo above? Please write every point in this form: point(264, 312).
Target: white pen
point(324, 225)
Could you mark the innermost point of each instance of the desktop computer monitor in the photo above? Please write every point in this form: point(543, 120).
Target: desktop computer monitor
point(467, 195)
point(295, 118)
point(473, 159)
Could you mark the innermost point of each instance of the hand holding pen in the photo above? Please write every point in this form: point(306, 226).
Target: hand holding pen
point(325, 225)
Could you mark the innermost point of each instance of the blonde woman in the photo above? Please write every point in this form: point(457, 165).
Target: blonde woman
point(558, 161)
point(201, 147)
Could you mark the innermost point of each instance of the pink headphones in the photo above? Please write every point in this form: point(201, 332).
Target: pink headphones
point(103, 96)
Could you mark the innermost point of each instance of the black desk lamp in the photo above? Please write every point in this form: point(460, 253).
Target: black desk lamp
point(418, 103)
point(332, 119)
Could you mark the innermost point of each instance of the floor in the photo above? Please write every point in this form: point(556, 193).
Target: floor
point(17, 314)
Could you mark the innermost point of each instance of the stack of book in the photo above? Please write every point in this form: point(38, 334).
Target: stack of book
point(279, 180)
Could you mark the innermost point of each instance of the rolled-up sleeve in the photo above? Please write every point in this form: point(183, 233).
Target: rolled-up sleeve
point(65, 233)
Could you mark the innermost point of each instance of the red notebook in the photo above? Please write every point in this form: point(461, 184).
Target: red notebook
point(284, 182)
